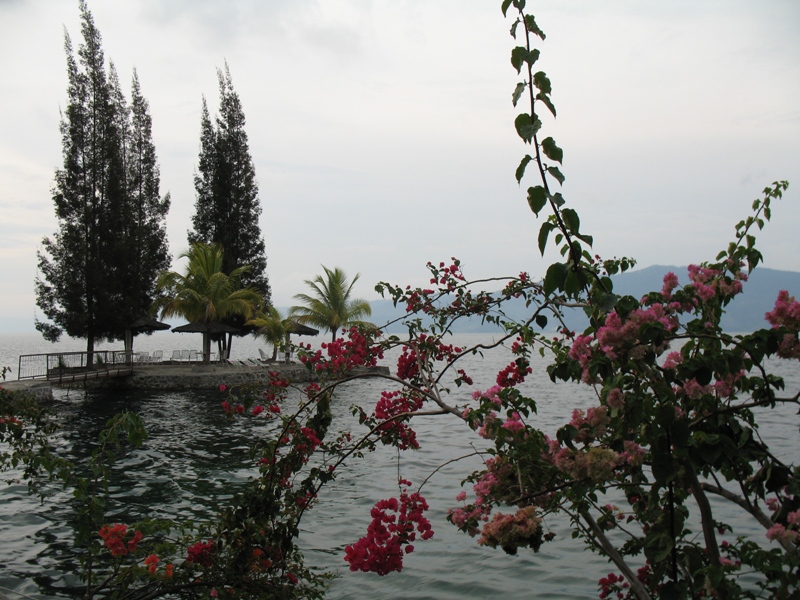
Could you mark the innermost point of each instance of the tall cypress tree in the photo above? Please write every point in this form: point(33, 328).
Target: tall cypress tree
point(227, 207)
point(144, 238)
point(97, 273)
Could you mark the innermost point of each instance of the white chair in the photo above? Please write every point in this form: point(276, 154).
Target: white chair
point(157, 357)
point(176, 356)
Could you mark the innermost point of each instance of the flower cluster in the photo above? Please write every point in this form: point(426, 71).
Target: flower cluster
point(395, 523)
point(447, 276)
point(617, 336)
point(514, 373)
point(612, 583)
point(707, 282)
point(786, 314)
point(496, 483)
point(788, 533)
point(201, 554)
point(389, 409)
point(519, 530)
point(152, 563)
point(113, 537)
point(342, 354)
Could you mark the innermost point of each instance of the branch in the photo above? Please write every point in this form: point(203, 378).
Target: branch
point(706, 516)
point(636, 586)
point(443, 465)
point(756, 512)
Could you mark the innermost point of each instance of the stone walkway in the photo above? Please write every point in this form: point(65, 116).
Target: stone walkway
point(183, 377)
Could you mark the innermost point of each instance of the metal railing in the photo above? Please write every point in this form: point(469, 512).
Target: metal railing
point(73, 366)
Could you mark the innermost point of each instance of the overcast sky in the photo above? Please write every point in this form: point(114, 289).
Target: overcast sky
point(382, 131)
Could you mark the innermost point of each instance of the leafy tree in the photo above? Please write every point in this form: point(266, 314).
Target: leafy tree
point(145, 242)
point(73, 290)
point(97, 274)
point(330, 306)
point(272, 327)
point(205, 293)
point(227, 207)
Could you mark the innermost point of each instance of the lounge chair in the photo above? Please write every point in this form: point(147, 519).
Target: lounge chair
point(157, 357)
point(176, 356)
point(236, 364)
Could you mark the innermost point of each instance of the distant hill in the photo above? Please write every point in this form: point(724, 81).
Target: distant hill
point(744, 314)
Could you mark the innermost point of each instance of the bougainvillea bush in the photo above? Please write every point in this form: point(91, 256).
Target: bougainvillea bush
point(640, 475)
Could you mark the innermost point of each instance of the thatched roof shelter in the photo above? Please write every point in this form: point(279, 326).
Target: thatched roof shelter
point(300, 329)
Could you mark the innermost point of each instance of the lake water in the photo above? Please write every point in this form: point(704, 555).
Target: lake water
point(193, 462)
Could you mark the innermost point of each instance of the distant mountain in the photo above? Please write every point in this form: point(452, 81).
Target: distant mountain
point(744, 314)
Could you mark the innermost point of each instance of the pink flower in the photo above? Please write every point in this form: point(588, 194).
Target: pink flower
point(615, 399)
point(257, 410)
point(514, 424)
point(779, 533)
point(673, 360)
point(222, 387)
point(670, 283)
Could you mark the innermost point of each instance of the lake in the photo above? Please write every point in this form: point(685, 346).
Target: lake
point(193, 461)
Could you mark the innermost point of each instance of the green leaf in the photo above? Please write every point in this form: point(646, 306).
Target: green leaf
point(571, 220)
point(589, 240)
point(544, 233)
point(518, 56)
point(522, 166)
point(574, 282)
point(537, 198)
point(558, 199)
point(703, 375)
point(542, 82)
point(530, 24)
point(514, 28)
point(517, 93)
point(607, 302)
point(663, 469)
point(552, 151)
point(527, 127)
point(557, 174)
point(541, 321)
point(547, 102)
point(504, 6)
point(566, 434)
point(555, 278)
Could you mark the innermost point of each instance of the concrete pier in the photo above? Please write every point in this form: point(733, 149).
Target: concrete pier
point(182, 377)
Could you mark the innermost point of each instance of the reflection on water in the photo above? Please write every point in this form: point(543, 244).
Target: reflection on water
point(193, 462)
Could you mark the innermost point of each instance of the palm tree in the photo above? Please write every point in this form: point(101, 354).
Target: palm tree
point(272, 327)
point(204, 294)
point(330, 306)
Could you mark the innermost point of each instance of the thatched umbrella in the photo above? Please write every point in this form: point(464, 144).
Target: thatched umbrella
point(141, 325)
point(207, 328)
point(300, 329)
